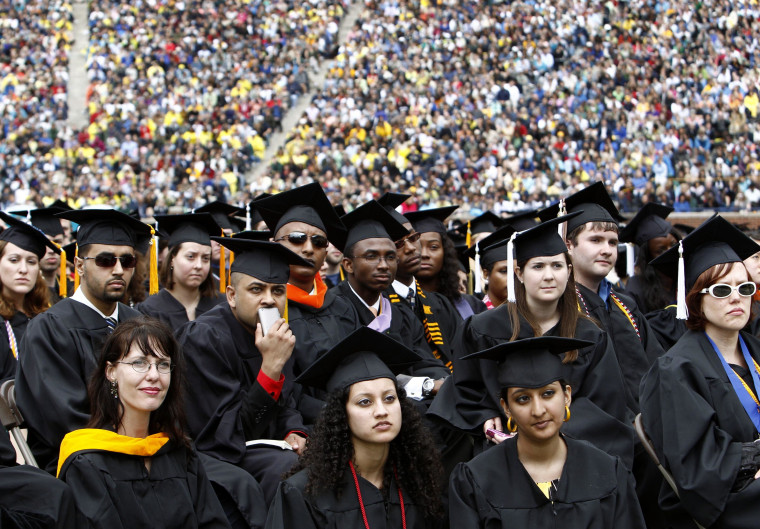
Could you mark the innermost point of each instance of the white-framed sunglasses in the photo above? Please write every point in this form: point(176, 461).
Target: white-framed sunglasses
point(721, 290)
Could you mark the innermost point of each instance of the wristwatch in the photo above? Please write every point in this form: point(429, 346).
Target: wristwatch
point(427, 387)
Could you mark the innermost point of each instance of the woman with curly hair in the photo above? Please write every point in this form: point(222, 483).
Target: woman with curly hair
point(133, 465)
point(439, 266)
point(369, 461)
point(23, 290)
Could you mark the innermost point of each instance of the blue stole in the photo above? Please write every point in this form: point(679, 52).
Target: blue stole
point(746, 397)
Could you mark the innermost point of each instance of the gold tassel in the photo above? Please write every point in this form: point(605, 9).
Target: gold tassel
point(76, 273)
point(62, 282)
point(285, 314)
point(232, 260)
point(222, 269)
point(468, 238)
point(342, 273)
point(153, 263)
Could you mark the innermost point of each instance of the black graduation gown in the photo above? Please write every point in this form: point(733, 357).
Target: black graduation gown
point(635, 351)
point(665, 327)
point(226, 405)
point(114, 491)
point(599, 415)
point(316, 332)
point(293, 508)
point(30, 497)
point(165, 307)
point(59, 351)
point(405, 329)
point(494, 491)
point(697, 425)
point(8, 362)
point(439, 319)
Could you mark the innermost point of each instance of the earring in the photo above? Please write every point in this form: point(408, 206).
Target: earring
point(512, 427)
point(114, 389)
point(567, 413)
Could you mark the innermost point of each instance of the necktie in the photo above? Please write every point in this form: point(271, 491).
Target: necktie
point(111, 324)
point(410, 296)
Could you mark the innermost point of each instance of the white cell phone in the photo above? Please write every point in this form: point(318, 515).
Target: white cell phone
point(267, 316)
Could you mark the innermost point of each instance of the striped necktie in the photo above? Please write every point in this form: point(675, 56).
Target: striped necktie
point(410, 297)
point(111, 324)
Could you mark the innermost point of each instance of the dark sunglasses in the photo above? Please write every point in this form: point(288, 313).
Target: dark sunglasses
point(411, 238)
point(108, 260)
point(299, 238)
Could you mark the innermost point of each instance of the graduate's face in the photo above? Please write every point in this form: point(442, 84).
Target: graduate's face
point(51, 261)
point(191, 265)
point(246, 295)
point(431, 256)
point(373, 411)
point(731, 313)
point(545, 278)
point(659, 245)
point(409, 253)
point(595, 253)
point(753, 266)
point(140, 393)
point(373, 264)
point(537, 412)
point(497, 282)
point(314, 255)
point(106, 284)
point(18, 271)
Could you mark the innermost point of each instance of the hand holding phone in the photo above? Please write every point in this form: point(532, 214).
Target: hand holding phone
point(497, 436)
point(267, 316)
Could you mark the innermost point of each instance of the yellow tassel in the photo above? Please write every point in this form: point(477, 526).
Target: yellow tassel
point(342, 273)
point(76, 273)
point(62, 282)
point(232, 260)
point(153, 263)
point(285, 314)
point(222, 269)
point(468, 239)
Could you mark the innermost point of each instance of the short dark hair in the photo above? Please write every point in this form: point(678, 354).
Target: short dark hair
point(150, 335)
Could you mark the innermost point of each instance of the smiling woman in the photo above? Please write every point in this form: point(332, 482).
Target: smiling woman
point(133, 466)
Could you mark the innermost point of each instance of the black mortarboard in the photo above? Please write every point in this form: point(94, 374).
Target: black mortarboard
point(265, 260)
point(649, 223)
point(490, 249)
point(221, 212)
point(371, 221)
point(596, 204)
point(715, 241)
point(70, 250)
point(684, 229)
point(486, 223)
point(307, 204)
point(108, 226)
point(457, 234)
point(543, 239)
point(26, 236)
point(390, 201)
point(531, 362)
point(44, 219)
point(522, 220)
point(365, 354)
point(190, 227)
point(339, 210)
point(253, 235)
point(60, 204)
point(430, 220)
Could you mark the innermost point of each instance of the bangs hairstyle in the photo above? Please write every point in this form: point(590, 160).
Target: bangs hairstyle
point(597, 225)
point(697, 319)
point(569, 313)
point(154, 338)
point(165, 276)
point(36, 300)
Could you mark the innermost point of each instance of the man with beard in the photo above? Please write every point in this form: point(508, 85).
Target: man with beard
point(332, 272)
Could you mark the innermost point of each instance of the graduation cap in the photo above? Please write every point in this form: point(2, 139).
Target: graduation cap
point(365, 354)
point(253, 235)
point(596, 204)
point(715, 241)
point(488, 250)
point(531, 362)
point(522, 220)
point(111, 227)
point(430, 220)
point(26, 236)
point(649, 223)
point(390, 201)
point(265, 260)
point(45, 220)
point(486, 223)
point(60, 204)
point(371, 221)
point(221, 212)
point(307, 204)
point(189, 227)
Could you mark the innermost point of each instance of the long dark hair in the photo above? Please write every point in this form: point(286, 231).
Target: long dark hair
point(151, 336)
point(412, 453)
point(166, 276)
point(448, 277)
point(569, 314)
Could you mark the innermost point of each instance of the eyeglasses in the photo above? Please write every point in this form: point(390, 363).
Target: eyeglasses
point(299, 238)
point(411, 238)
point(374, 258)
point(721, 290)
point(108, 260)
point(143, 366)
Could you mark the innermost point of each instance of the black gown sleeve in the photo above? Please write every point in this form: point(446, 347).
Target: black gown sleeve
point(91, 495)
point(208, 511)
point(467, 504)
point(290, 509)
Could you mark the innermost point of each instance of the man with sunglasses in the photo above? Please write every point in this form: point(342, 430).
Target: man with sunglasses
point(65, 341)
point(303, 221)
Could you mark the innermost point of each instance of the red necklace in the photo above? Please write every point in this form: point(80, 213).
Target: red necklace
point(361, 502)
